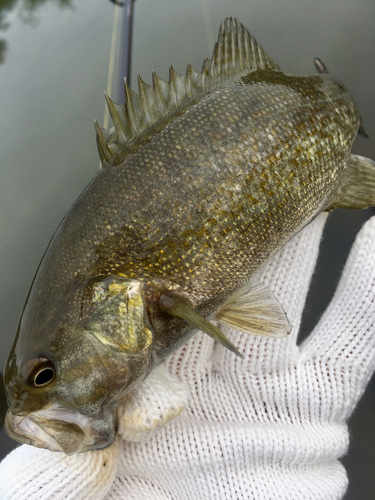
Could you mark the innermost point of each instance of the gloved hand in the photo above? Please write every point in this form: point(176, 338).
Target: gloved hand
point(270, 426)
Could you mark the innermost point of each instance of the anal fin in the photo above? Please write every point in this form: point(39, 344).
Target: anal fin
point(254, 309)
point(358, 191)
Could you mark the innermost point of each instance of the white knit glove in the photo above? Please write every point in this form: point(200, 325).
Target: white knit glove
point(270, 426)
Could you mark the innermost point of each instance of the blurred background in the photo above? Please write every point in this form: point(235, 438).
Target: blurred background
point(56, 61)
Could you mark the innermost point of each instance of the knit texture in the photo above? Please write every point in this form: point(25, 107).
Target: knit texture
point(33, 473)
point(269, 426)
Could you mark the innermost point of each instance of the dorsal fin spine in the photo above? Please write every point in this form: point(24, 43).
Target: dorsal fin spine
point(160, 86)
point(188, 79)
point(262, 59)
point(246, 52)
point(104, 152)
point(254, 52)
point(240, 52)
point(144, 91)
point(235, 61)
point(174, 85)
point(119, 121)
point(131, 101)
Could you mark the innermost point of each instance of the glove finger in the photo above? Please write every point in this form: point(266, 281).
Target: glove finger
point(288, 275)
point(37, 474)
point(345, 335)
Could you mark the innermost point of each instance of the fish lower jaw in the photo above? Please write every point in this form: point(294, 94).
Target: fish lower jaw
point(57, 428)
point(25, 431)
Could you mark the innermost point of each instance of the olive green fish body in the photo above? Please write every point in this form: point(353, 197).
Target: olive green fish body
point(203, 204)
point(196, 193)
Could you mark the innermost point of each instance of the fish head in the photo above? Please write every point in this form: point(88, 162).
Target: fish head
point(63, 392)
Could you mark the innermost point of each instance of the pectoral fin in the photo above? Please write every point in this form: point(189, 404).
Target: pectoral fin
point(358, 190)
point(255, 310)
point(180, 307)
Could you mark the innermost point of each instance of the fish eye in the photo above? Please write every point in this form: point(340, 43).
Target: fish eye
point(44, 377)
point(39, 372)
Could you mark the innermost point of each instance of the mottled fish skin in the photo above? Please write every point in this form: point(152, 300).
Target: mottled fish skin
point(212, 196)
point(197, 208)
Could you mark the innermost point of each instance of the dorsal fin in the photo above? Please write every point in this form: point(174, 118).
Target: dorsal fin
point(236, 53)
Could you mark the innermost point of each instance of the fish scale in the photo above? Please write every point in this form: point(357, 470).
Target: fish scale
point(181, 165)
point(204, 178)
point(185, 164)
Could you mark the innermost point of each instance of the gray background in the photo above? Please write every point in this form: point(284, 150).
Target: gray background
point(55, 57)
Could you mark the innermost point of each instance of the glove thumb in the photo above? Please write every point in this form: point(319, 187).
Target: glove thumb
point(39, 474)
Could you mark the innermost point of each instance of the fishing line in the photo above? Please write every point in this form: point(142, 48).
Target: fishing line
point(207, 21)
point(112, 56)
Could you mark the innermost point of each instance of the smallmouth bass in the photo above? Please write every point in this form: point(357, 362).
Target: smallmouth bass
point(204, 178)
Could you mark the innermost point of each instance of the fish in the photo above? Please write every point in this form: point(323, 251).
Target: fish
point(204, 178)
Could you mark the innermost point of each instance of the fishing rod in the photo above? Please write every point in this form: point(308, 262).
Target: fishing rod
point(125, 47)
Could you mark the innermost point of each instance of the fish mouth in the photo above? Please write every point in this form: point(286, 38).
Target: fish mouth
point(58, 428)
